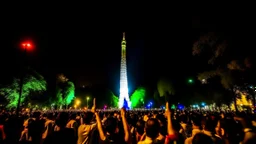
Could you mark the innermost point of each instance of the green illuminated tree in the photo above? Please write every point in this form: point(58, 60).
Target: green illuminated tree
point(68, 93)
point(114, 100)
point(223, 64)
point(32, 84)
point(59, 98)
point(138, 97)
point(111, 98)
point(165, 88)
point(65, 91)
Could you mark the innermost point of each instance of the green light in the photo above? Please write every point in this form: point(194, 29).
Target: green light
point(69, 93)
point(31, 84)
point(138, 96)
point(114, 99)
point(190, 81)
point(65, 92)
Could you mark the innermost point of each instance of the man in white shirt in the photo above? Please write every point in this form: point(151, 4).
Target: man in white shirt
point(85, 129)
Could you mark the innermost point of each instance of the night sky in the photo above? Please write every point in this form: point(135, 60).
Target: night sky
point(87, 47)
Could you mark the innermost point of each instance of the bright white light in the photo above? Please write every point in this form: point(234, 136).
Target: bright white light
point(204, 81)
point(123, 78)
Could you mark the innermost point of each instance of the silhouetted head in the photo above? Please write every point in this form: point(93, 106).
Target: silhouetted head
point(201, 138)
point(87, 118)
point(152, 128)
point(111, 125)
point(140, 125)
point(73, 116)
point(62, 119)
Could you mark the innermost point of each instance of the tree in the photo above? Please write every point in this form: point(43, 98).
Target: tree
point(68, 92)
point(62, 78)
point(65, 91)
point(249, 90)
point(106, 96)
point(157, 98)
point(32, 83)
point(165, 88)
point(138, 97)
point(114, 100)
point(223, 64)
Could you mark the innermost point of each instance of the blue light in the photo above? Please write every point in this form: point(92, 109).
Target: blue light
point(162, 107)
point(180, 106)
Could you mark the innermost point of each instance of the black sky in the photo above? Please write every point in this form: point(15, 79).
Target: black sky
point(86, 46)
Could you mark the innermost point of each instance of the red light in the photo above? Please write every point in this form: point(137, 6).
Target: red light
point(27, 46)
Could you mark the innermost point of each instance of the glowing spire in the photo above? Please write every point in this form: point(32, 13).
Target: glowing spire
point(123, 36)
point(123, 77)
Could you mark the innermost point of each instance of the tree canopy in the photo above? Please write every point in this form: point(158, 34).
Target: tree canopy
point(32, 83)
point(224, 62)
point(164, 87)
point(65, 91)
point(138, 96)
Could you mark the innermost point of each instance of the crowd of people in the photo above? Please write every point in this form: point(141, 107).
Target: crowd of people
point(127, 127)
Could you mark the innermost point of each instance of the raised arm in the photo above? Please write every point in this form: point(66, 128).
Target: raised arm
point(125, 125)
point(171, 132)
point(101, 133)
point(168, 114)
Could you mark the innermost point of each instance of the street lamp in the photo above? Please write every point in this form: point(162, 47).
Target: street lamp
point(87, 99)
point(78, 102)
point(190, 81)
point(25, 46)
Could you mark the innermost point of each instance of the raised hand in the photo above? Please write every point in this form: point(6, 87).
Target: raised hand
point(94, 106)
point(167, 110)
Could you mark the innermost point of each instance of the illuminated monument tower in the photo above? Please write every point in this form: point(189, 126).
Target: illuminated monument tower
point(123, 77)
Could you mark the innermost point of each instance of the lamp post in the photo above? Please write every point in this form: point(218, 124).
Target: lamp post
point(87, 99)
point(26, 46)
